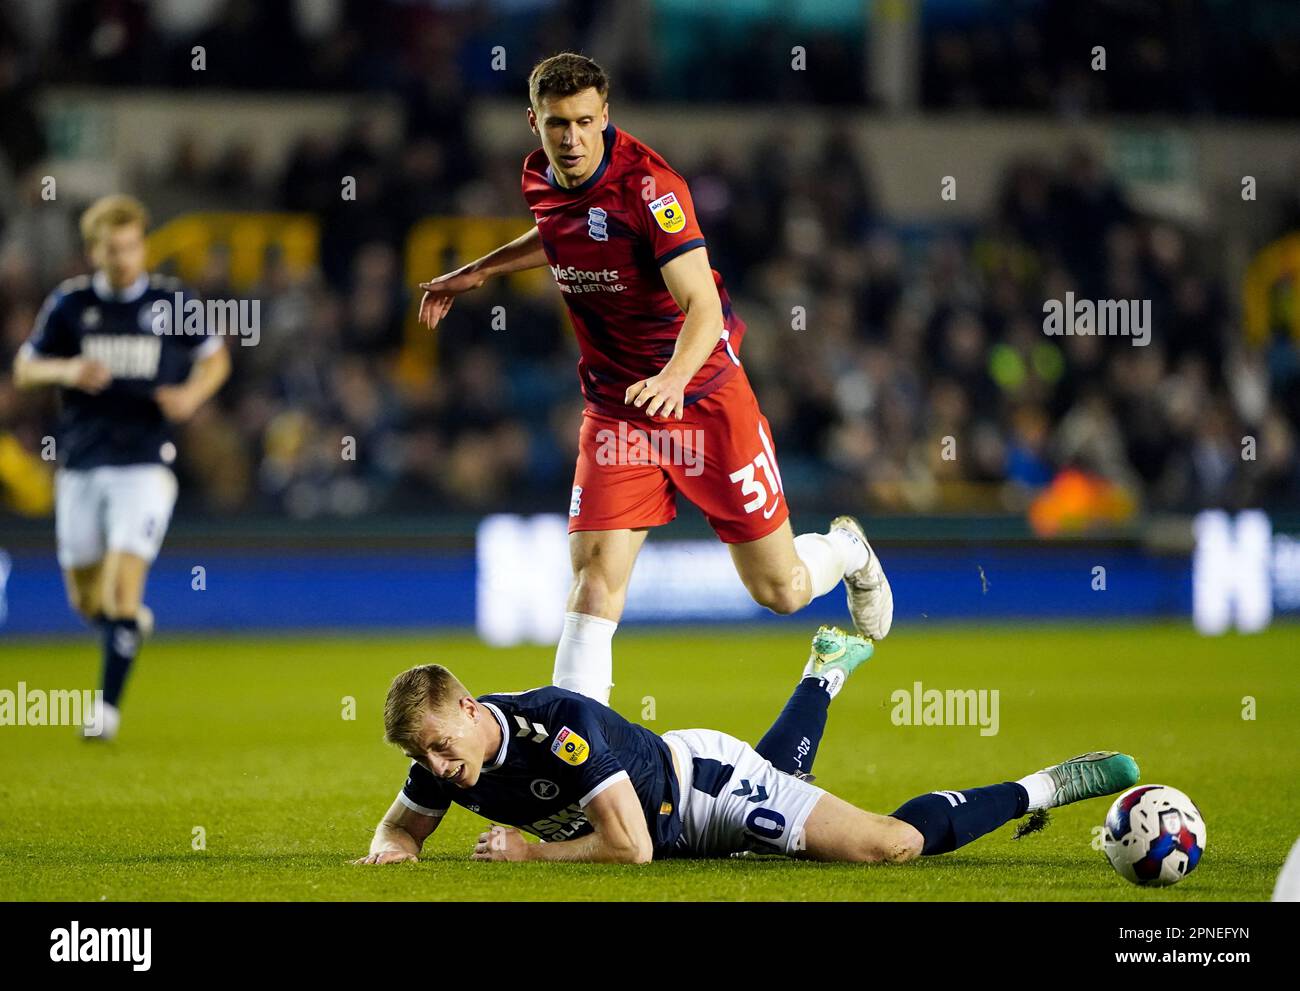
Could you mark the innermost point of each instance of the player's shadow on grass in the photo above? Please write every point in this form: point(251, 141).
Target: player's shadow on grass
point(446, 857)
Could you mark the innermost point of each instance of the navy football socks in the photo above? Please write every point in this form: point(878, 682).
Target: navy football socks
point(945, 819)
point(951, 819)
point(791, 743)
point(121, 644)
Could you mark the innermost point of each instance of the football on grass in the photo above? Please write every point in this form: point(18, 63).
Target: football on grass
point(1154, 835)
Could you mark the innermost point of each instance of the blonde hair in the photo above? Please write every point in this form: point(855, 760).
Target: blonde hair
point(414, 694)
point(109, 212)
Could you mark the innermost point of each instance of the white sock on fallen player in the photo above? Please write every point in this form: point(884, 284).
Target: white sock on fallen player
point(1040, 788)
point(584, 657)
point(829, 557)
point(833, 681)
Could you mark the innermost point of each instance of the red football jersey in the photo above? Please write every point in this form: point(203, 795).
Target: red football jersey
point(605, 241)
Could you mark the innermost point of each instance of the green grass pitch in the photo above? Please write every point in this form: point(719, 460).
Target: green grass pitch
point(245, 738)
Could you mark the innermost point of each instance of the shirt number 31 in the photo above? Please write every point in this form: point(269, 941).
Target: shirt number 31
point(751, 486)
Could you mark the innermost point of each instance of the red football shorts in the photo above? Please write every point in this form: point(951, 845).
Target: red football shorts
point(719, 455)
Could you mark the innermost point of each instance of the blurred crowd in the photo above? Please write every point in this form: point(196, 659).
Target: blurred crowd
point(924, 378)
point(903, 368)
point(1220, 57)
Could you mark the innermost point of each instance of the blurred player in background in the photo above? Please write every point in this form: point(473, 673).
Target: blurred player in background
point(659, 368)
point(122, 385)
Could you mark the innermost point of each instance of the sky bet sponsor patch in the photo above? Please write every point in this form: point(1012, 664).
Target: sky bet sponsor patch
point(570, 747)
point(668, 213)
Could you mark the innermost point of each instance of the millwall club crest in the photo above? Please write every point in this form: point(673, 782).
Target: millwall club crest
point(544, 789)
point(597, 224)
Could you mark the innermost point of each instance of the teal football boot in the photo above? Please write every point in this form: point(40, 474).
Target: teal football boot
point(1102, 772)
point(836, 655)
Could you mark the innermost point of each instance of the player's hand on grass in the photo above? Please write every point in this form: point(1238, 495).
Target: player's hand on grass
point(501, 843)
point(87, 375)
point(663, 395)
point(441, 292)
point(177, 402)
point(387, 857)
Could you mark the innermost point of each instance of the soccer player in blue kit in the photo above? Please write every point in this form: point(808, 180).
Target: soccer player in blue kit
point(122, 386)
point(597, 788)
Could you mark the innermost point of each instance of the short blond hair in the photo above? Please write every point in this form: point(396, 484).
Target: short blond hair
point(413, 695)
point(109, 212)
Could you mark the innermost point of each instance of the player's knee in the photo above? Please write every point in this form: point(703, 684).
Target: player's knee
point(904, 843)
point(112, 605)
point(84, 602)
point(780, 598)
point(119, 600)
point(593, 592)
point(894, 843)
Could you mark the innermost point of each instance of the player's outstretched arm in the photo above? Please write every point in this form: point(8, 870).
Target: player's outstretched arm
point(620, 835)
point(524, 252)
point(180, 402)
point(32, 370)
point(399, 836)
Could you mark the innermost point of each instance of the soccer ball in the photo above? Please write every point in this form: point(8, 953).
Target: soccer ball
point(1154, 835)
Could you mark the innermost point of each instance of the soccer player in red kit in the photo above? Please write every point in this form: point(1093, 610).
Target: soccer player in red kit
point(669, 408)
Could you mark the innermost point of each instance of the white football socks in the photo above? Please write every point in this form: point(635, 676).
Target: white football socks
point(833, 681)
point(584, 657)
point(829, 557)
point(1040, 788)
